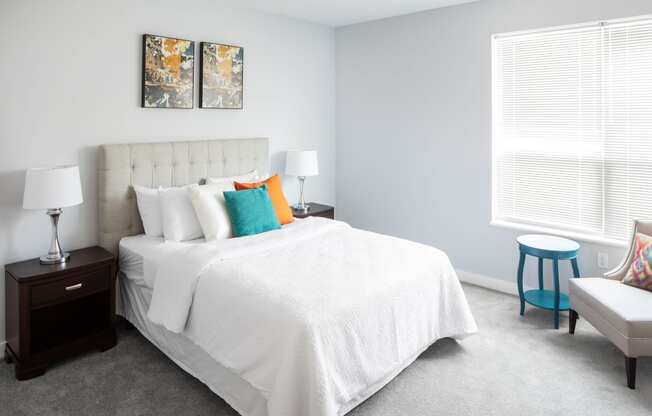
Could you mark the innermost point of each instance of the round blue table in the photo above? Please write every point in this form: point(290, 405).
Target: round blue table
point(555, 249)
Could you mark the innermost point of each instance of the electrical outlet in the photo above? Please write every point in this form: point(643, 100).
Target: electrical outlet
point(603, 260)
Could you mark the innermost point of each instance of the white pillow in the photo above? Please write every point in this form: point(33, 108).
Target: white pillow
point(208, 201)
point(149, 207)
point(179, 219)
point(246, 177)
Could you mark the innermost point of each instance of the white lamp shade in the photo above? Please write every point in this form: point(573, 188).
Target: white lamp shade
point(301, 163)
point(56, 187)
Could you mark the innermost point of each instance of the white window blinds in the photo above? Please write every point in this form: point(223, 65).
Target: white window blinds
point(572, 127)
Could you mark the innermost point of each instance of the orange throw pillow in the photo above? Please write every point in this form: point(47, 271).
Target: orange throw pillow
point(275, 190)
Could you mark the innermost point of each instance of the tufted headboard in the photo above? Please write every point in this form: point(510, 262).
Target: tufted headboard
point(164, 164)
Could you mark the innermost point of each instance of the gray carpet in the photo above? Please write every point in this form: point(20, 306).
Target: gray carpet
point(513, 366)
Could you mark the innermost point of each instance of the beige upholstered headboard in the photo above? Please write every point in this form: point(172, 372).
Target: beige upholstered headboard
point(164, 164)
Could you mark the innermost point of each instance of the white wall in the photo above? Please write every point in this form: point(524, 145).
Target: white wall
point(70, 76)
point(413, 115)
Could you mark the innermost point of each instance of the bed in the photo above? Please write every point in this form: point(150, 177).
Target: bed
point(310, 319)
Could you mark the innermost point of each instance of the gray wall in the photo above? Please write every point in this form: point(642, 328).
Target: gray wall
point(70, 77)
point(413, 115)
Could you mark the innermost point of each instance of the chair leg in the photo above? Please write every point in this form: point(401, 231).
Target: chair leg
point(630, 370)
point(572, 320)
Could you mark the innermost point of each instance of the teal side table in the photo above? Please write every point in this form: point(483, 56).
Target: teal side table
point(555, 249)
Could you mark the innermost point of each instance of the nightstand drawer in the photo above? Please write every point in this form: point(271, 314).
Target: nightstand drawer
point(71, 287)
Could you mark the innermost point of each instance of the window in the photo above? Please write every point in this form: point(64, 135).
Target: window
point(572, 127)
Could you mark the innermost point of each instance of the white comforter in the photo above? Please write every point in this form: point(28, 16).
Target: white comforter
point(317, 316)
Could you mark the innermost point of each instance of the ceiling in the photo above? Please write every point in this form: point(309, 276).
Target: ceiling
point(345, 12)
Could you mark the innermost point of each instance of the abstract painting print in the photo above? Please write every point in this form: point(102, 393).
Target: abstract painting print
point(168, 72)
point(221, 76)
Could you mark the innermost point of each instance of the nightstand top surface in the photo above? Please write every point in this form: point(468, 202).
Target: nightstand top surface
point(79, 259)
point(315, 208)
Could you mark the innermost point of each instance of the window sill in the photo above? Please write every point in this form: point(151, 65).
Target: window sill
point(587, 238)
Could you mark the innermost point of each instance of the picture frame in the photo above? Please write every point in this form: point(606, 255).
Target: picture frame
point(221, 76)
point(168, 72)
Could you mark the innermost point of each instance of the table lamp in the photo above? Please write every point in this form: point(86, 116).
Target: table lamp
point(53, 189)
point(301, 163)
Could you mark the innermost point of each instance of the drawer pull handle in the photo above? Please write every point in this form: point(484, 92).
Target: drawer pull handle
point(74, 287)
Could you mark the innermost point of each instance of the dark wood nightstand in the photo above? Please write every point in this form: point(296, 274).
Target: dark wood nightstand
point(53, 311)
point(316, 210)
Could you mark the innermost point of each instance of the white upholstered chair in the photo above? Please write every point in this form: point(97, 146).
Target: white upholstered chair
point(620, 312)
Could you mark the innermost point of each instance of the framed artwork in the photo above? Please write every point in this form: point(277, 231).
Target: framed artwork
point(221, 76)
point(168, 72)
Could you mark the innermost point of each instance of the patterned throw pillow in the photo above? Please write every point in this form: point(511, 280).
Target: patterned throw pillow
point(640, 272)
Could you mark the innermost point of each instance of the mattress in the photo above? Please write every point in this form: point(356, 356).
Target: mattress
point(140, 256)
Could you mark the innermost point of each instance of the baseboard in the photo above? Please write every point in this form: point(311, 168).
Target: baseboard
point(499, 285)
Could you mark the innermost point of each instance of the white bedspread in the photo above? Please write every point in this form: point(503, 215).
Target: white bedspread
point(317, 315)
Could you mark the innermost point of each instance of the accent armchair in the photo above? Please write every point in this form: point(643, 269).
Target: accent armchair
point(620, 312)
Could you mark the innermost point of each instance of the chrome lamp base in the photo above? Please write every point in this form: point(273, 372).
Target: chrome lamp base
point(55, 254)
point(65, 256)
point(301, 205)
point(303, 208)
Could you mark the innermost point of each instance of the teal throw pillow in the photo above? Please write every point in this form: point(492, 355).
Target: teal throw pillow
point(251, 211)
